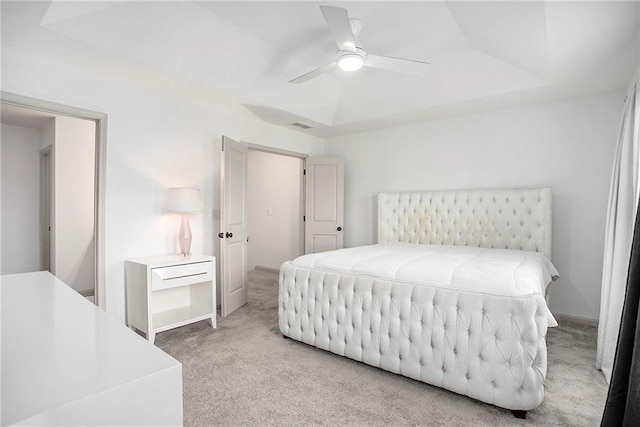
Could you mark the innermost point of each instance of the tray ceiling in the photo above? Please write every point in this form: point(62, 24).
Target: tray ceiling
point(483, 55)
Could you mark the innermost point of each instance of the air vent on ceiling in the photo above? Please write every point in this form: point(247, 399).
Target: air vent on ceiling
point(301, 125)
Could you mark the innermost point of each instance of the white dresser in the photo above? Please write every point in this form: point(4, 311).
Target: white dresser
point(66, 362)
point(170, 291)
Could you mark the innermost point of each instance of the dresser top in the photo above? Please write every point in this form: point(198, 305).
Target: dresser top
point(169, 260)
point(58, 348)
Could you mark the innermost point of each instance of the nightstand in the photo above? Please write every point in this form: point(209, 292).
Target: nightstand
point(170, 291)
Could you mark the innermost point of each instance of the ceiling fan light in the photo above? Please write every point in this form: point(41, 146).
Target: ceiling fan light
point(350, 62)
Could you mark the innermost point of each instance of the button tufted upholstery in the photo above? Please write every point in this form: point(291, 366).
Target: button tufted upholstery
point(488, 347)
point(504, 219)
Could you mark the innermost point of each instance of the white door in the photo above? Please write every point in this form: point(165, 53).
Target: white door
point(324, 207)
point(233, 226)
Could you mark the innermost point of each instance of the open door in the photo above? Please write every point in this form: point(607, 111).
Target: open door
point(324, 206)
point(233, 226)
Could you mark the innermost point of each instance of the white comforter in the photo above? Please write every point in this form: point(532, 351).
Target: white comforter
point(491, 271)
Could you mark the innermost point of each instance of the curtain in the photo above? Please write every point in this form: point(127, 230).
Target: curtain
point(623, 400)
point(623, 199)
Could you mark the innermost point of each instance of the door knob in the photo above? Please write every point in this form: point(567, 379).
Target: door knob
point(339, 228)
point(229, 235)
point(221, 235)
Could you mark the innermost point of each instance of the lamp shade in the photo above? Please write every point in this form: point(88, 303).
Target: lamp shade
point(184, 200)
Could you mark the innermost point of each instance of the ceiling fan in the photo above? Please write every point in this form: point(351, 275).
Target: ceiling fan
point(351, 56)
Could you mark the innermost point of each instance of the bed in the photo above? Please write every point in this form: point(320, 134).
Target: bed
point(454, 294)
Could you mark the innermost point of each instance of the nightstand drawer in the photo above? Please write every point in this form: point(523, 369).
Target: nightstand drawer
point(180, 275)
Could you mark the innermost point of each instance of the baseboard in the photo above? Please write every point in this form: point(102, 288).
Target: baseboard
point(269, 269)
point(575, 319)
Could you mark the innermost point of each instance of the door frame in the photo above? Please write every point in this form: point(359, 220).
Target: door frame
point(266, 149)
point(273, 150)
point(297, 155)
point(100, 119)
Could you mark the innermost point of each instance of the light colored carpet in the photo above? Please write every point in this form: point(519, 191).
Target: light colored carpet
point(245, 373)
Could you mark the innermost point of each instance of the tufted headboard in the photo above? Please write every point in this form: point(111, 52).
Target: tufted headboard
point(507, 218)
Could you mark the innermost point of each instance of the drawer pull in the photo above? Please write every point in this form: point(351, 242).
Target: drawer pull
point(186, 275)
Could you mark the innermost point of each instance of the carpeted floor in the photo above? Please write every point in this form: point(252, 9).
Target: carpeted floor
point(245, 373)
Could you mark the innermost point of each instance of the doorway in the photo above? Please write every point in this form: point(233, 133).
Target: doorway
point(65, 233)
point(275, 208)
point(321, 190)
point(233, 236)
point(46, 211)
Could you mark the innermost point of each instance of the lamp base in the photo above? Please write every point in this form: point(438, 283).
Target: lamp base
point(184, 236)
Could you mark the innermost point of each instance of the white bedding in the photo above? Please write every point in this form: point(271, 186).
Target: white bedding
point(503, 272)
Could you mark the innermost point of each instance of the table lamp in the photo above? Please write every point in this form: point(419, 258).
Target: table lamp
point(184, 201)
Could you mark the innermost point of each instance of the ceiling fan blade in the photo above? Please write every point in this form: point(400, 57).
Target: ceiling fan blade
point(311, 74)
point(338, 22)
point(407, 66)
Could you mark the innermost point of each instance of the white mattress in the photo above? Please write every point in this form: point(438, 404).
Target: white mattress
point(503, 272)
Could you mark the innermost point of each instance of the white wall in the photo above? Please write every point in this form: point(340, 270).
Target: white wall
point(160, 139)
point(156, 139)
point(74, 169)
point(567, 145)
point(274, 209)
point(20, 192)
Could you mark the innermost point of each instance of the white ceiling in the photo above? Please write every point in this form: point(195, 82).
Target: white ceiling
point(483, 55)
